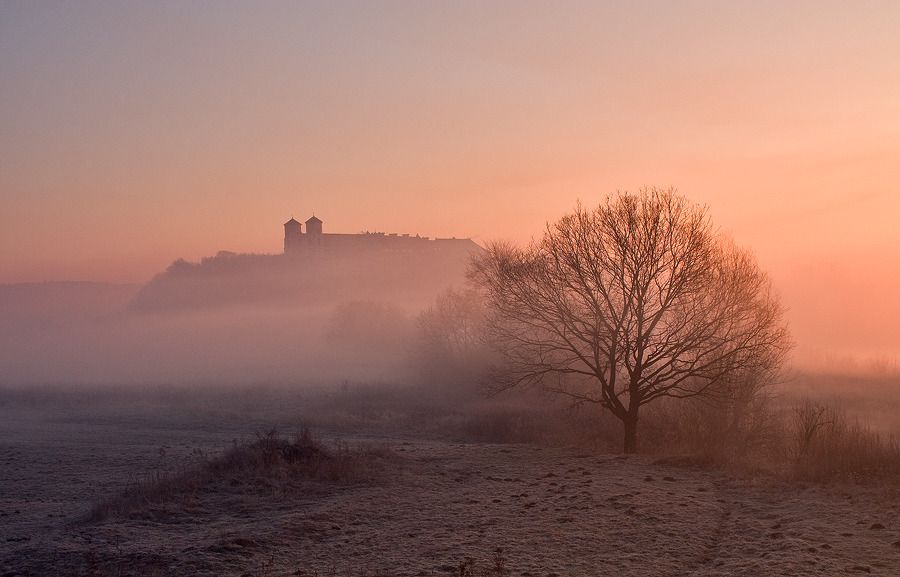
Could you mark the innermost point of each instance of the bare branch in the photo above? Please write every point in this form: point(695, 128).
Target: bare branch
point(634, 300)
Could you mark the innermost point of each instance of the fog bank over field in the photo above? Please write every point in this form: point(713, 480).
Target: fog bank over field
point(332, 307)
point(250, 319)
point(48, 335)
point(241, 346)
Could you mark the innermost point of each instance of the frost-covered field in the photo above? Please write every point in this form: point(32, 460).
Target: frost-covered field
point(552, 511)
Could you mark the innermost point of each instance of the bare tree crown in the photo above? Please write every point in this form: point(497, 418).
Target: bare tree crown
point(634, 300)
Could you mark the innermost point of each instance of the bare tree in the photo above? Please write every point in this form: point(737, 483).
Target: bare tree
point(450, 338)
point(635, 300)
point(454, 323)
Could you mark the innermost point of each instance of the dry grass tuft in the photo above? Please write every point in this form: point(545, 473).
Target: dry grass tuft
point(496, 567)
point(811, 441)
point(825, 445)
point(731, 433)
point(271, 460)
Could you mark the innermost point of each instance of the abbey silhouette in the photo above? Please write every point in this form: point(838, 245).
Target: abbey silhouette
point(316, 269)
point(297, 243)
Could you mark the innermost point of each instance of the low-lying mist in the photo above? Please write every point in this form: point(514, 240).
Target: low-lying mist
point(88, 335)
point(90, 338)
point(323, 315)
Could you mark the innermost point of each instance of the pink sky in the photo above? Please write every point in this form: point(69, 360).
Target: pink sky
point(131, 135)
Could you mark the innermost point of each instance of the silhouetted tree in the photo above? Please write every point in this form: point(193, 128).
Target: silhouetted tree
point(635, 300)
point(450, 345)
point(454, 323)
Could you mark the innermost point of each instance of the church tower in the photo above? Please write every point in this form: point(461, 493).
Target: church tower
point(293, 236)
point(313, 226)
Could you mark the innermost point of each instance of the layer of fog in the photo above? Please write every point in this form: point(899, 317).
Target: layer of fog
point(88, 334)
point(65, 333)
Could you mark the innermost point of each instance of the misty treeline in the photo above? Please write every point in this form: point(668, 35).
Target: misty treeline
point(71, 334)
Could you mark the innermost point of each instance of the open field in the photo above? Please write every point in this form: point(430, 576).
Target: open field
point(553, 510)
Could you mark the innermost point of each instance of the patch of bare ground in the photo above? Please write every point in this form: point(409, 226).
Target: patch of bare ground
point(74, 500)
point(552, 511)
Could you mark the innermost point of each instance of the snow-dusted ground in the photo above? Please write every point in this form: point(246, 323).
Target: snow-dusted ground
point(552, 511)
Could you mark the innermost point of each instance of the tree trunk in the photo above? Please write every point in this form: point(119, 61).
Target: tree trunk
point(630, 423)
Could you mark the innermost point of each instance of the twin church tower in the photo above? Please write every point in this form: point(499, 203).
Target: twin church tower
point(297, 242)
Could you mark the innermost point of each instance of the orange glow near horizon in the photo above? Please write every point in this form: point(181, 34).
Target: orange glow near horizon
point(133, 135)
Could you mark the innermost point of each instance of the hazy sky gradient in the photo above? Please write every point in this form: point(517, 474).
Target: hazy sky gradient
point(135, 133)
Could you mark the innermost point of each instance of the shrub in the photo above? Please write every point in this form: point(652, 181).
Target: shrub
point(825, 446)
point(271, 458)
point(724, 431)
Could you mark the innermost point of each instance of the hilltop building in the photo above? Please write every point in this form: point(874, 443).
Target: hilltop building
point(296, 242)
point(317, 269)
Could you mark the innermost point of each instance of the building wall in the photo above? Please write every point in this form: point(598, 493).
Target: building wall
point(301, 243)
